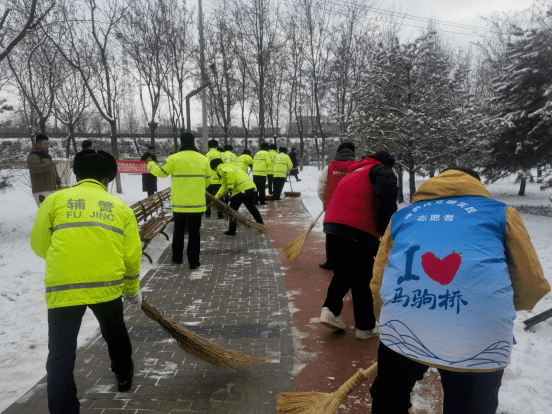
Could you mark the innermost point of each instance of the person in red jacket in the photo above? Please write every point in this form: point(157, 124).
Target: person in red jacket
point(330, 178)
point(356, 217)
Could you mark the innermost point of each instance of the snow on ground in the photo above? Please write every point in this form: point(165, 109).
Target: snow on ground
point(23, 320)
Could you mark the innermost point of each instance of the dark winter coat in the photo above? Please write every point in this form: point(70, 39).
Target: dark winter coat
point(149, 181)
point(293, 157)
point(44, 175)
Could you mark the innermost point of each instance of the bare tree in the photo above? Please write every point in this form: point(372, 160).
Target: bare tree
point(86, 41)
point(221, 53)
point(144, 38)
point(317, 18)
point(35, 72)
point(294, 63)
point(17, 18)
point(258, 22)
point(179, 43)
point(71, 100)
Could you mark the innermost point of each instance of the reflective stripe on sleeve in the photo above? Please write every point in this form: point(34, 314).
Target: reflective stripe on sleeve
point(243, 182)
point(204, 205)
point(160, 167)
point(132, 277)
point(187, 176)
point(90, 224)
point(73, 286)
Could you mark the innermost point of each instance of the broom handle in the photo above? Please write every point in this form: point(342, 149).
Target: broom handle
point(370, 370)
point(289, 178)
point(314, 222)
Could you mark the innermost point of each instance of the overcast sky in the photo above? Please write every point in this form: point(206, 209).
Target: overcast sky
point(459, 12)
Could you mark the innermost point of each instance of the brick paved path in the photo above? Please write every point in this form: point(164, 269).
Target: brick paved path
point(237, 297)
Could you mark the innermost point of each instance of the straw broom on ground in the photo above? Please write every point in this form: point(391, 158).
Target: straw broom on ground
point(206, 350)
point(320, 402)
point(228, 211)
point(292, 249)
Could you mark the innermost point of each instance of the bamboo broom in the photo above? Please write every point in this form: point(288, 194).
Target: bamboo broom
point(292, 249)
point(228, 211)
point(321, 402)
point(206, 350)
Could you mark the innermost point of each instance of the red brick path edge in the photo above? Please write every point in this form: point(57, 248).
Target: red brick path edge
point(324, 360)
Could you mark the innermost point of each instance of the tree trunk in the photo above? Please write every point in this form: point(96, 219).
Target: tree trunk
point(412, 178)
point(400, 183)
point(153, 127)
point(42, 125)
point(301, 150)
point(115, 150)
point(539, 175)
point(522, 185)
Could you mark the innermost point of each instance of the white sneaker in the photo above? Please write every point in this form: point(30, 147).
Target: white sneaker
point(368, 334)
point(328, 319)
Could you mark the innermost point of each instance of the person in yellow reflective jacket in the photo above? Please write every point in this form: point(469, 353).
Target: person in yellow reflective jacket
point(282, 166)
point(261, 162)
point(92, 247)
point(242, 190)
point(272, 153)
point(190, 177)
point(244, 161)
point(228, 156)
point(211, 155)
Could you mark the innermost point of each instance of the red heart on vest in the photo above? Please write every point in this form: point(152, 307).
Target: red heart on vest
point(442, 271)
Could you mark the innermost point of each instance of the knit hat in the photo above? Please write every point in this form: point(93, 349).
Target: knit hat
point(187, 139)
point(95, 164)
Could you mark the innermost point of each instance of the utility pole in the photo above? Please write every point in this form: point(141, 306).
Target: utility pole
point(204, 77)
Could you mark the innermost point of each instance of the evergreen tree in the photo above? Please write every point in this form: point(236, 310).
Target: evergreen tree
point(412, 104)
point(522, 105)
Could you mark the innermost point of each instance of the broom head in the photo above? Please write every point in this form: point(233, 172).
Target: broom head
point(292, 194)
point(204, 349)
point(292, 249)
point(240, 219)
point(319, 402)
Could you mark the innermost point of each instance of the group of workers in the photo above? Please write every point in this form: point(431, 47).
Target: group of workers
point(450, 306)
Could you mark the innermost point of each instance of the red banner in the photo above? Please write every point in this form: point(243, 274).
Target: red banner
point(132, 167)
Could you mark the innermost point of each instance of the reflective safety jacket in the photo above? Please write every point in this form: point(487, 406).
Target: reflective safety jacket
point(282, 165)
point(261, 162)
point(229, 157)
point(244, 161)
point(190, 175)
point(233, 179)
point(213, 154)
point(91, 244)
point(270, 168)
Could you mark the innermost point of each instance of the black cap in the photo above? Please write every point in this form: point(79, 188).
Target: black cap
point(187, 139)
point(95, 164)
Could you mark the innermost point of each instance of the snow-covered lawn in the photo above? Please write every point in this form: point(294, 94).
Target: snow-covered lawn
point(23, 322)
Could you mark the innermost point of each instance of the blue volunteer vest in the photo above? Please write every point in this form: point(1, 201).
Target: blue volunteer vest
point(446, 292)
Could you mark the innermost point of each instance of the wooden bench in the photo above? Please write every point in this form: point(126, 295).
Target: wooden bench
point(153, 215)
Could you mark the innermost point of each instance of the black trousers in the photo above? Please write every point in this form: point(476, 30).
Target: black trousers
point(295, 173)
point(260, 181)
point(149, 184)
point(464, 392)
point(278, 186)
point(246, 197)
point(270, 178)
point(193, 222)
point(352, 266)
point(212, 189)
point(63, 329)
